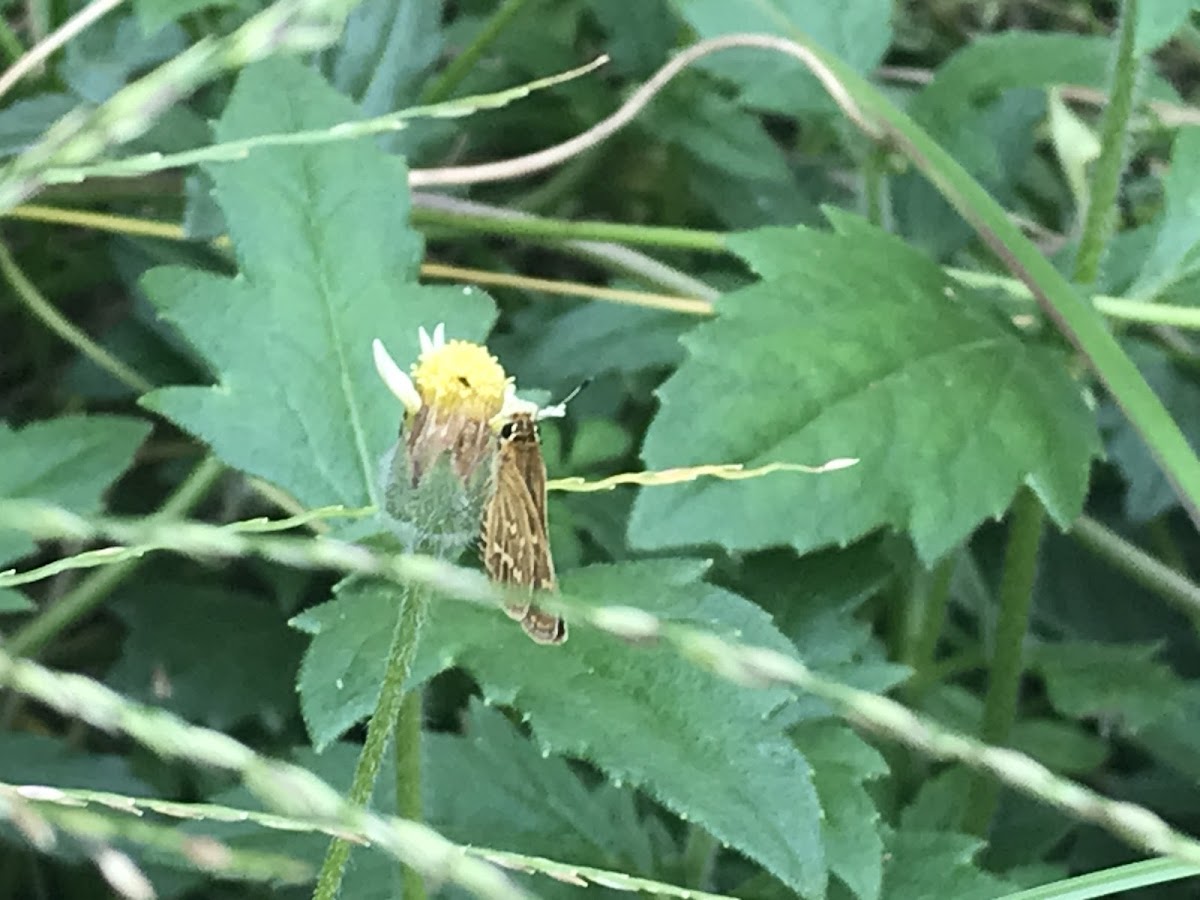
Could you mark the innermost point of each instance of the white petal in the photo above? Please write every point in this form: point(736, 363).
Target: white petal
point(439, 335)
point(557, 411)
point(426, 341)
point(395, 378)
point(841, 463)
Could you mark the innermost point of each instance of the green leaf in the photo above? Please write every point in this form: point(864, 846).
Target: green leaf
point(737, 168)
point(639, 36)
point(995, 143)
point(385, 54)
point(1174, 256)
point(1082, 597)
point(841, 762)
point(1157, 23)
point(938, 804)
point(14, 601)
point(858, 31)
point(328, 262)
point(1148, 493)
point(602, 337)
point(1112, 681)
point(1019, 59)
point(701, 746)
point(1075, 319)
point(489, 787)
point(1024, 832)
point(342, 672)
point(167, 658)
point(70, 461)
point(854, 345)
point(924, 864)
point(385, 51)
point(526, 802)
point(719, 133)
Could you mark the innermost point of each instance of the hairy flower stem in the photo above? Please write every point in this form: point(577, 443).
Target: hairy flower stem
point(408, 778)
point(1101, 216)
point(1004, 678)
point(1028, 520)
point(927, 604)
point(387, 713)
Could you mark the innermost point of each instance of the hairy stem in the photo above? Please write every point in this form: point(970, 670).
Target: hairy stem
point(927, 604)
point(875, 192)
point(379, 729)
point(1007, 665)
point(1101, 217)
point(408, 779)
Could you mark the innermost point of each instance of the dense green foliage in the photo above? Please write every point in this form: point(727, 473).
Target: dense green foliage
point(873, 239)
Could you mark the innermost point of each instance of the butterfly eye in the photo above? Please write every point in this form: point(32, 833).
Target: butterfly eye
point(506, 430)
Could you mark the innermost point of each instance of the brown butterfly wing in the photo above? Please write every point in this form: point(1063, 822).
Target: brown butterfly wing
point(516, 548)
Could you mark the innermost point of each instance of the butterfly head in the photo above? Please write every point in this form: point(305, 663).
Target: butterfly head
point(517, 419)
point(518, 428)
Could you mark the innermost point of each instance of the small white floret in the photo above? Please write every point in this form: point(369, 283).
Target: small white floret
point(395, 378)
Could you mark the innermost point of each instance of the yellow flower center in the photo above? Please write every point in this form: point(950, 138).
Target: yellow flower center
point(460, 377)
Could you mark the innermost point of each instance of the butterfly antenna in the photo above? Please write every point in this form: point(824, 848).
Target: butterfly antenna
point(559, 409)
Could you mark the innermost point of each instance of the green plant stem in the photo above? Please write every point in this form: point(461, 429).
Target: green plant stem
point(45, 312)
point(1028, 522)
point(927, 607)
point(546, 229)
point(1139, 565)
point(90, 592)
point(1114, 307)
point(408, 779)
point(699, 856)
point(875, 188)
point(1101, 217)
point(614, 257)
point(434, 210)
point(379, 729)
point(461, 66)
point(1007, 664)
